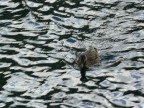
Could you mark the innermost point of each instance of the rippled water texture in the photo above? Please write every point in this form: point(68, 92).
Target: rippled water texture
point(39, 40)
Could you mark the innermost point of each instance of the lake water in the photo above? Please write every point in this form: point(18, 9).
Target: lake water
point(39, 40)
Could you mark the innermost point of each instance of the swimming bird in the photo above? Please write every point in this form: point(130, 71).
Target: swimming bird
point(87, 59)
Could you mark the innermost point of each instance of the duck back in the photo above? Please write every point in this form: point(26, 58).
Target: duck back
point(92, 57)
point(89, 58)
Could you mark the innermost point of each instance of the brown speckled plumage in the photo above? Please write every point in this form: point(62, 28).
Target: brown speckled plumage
point(91, 57)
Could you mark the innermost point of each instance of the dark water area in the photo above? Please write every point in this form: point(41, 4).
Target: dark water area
point(39, 40)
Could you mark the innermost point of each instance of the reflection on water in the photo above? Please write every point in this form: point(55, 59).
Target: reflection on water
point(39, 40)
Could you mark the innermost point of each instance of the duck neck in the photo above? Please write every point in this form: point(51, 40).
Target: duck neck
point(83, 72)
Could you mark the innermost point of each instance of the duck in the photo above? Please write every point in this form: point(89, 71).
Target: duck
point(87, 59)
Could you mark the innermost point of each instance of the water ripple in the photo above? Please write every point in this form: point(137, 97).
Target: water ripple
point(40, 39)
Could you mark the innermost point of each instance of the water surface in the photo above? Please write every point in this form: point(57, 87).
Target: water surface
point(39, 40)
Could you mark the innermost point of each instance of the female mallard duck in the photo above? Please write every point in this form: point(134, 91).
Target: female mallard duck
point(87, 59)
